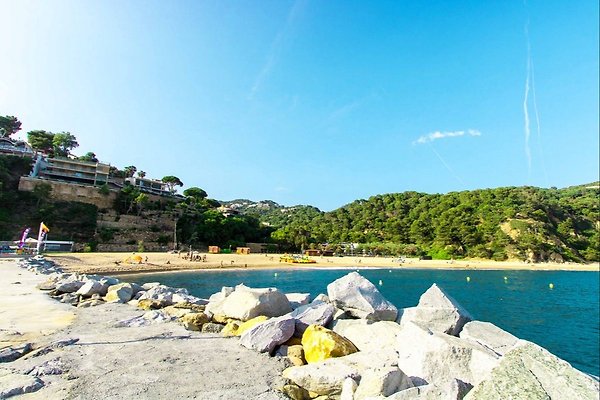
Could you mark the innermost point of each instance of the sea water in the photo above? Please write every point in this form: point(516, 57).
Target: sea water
point(565, 319)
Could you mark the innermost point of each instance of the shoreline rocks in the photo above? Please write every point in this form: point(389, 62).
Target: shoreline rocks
point(350, 344)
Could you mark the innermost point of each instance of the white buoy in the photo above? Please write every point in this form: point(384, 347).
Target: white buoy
point(380, 282)
point(275, 274)
point(390, 270)
point(551, 286)
point(468, 279)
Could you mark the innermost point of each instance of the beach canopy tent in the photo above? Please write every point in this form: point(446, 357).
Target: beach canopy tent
point(243, 250)
point(214, 249)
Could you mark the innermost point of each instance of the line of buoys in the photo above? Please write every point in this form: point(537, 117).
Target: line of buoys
point(551, 286)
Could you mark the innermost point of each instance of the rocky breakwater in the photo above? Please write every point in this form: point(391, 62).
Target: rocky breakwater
point(350, 343)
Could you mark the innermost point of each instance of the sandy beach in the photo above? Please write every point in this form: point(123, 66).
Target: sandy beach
point(116, 263)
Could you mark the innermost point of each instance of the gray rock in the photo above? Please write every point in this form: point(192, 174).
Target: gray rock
point(490, 336)
point(265, 336)
point(53, 346)
point(50, 367)
point(246, 303)
point(531, 372)
point(15, 384)
point(315, 313)
point(92, 287)
point(322, 297)
point(382, 382)
point(298, 299)
point(186, 298)
point(90, 303)
point(149, 318)
point(358, 296)
point(69, 285)
point(9, 354)
point(438, 358)
point(211, 327)
point(452, 390)
point(362, 333)
point(438, 312)
point(150, 285)
point(69, 298)
point(162, 293)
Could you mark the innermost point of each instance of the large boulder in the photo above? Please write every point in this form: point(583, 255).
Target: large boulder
point(438, 358)
point(246, 303)
point(320, 343)
point(119, 293)
point(91, 287)
point(315, 313)
point(323, 378)
point(216, 300)
point(438, 312)
point(490, 336)
point(358, 296)
point(69, 285)
point(265, 336)
point(381, 382)
point(531, 372)
point(362, 333)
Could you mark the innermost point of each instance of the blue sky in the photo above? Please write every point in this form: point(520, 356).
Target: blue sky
point(314, 102)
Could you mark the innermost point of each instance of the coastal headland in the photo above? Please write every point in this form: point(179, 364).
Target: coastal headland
point(125, 263)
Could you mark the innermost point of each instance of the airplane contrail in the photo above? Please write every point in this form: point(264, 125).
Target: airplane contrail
point(525, 101)
point(447, 166)
point(537, 120)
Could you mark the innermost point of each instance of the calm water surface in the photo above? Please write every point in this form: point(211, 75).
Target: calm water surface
point(565, 320)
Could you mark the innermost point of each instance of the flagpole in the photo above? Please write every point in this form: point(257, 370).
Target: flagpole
point(39, 243)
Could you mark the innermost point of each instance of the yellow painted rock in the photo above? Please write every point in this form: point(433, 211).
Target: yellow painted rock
point(149, 304)
point(220, 319)
point(251, 323)
point(231, 328)
point(194, 321)
point(320, 343)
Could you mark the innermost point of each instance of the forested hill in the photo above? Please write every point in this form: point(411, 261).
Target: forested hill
point(504, 223)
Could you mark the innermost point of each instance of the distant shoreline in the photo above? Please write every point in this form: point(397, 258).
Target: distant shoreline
point(116, 263)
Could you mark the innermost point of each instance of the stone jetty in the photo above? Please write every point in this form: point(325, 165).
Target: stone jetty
point(349, 344)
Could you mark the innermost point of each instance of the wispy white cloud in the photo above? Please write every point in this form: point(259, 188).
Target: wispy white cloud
point(277, 46)
point(430, 137)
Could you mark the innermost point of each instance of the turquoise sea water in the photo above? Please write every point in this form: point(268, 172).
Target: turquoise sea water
point(565, 320)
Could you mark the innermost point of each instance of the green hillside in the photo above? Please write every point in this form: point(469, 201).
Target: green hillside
point(503, 223)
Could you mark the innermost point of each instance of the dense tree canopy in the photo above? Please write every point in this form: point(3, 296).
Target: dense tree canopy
point(9, 125)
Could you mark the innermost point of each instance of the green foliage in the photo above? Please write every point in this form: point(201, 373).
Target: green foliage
point(63, 143)
point(9, 125)
point(129, 171)
point(195, 192)
point(163, 240)
point(104, 190)
point(140, 247)
point(454, 225)
point(107, 234)
point(41, 140)
point(89, 156)
point(171, 182)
